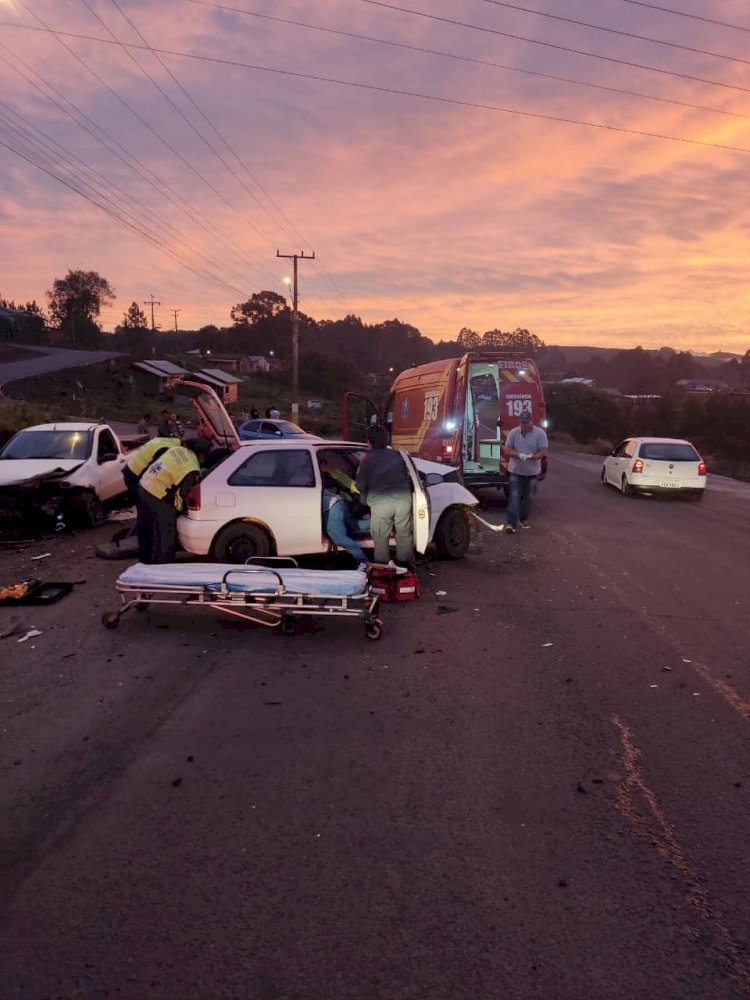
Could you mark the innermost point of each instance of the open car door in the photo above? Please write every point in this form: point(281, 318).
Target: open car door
point(214, 421)
point(358, 414)
point(421, 508)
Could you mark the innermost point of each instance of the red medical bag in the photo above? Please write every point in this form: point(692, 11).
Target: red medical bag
point(390, 585)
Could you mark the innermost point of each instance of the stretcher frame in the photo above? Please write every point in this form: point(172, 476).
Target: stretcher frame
point(280, 609)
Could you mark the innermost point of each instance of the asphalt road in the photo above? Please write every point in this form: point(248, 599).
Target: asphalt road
point(536, 786)
point(50, 359)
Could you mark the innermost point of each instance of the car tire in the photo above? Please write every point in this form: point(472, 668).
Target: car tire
point(625, 488)
point(89, 510)
point(453, 534)
point(696, 496)
point(240, 542)
point(605, 481)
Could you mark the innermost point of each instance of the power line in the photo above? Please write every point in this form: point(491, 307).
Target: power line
point(231, 150)
point(139, 117)
point(73, 186)
point(175, 107)
point(456, 102)
point(469, 59)
point(551, 45)
point(97, 182)
point(111, 145)
point(684, 13)
point(615, 31)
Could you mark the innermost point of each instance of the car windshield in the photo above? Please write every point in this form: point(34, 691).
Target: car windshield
point(669, 451)
point(287, 427)
point(49, 444)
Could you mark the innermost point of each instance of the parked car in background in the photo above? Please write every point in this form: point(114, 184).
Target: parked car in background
point(266, 499)
point(655, 465)
point(254, 430)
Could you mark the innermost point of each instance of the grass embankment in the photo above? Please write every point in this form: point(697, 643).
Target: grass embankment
point(105, 390)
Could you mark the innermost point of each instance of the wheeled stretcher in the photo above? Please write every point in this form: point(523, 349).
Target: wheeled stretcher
point(270, 596)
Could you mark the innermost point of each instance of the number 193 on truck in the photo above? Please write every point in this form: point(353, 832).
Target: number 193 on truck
point(457, 411)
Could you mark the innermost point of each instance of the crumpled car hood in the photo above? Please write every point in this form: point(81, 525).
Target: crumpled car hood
point(28, 471)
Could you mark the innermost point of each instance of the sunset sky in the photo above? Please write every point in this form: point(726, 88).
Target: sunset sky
point(443, 212)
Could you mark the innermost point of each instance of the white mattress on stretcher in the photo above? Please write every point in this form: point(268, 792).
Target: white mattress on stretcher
point(245, 579)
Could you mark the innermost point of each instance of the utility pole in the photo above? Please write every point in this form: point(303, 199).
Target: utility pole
point(175, 313)
point(152, 302)
point(295, 329)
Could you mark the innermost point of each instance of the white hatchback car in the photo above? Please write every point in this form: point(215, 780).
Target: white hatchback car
point(655, 465)
point(266, 499)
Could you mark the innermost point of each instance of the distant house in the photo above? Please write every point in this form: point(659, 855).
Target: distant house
point(149, 377)
point(701, 385)
point(257, 363)
point(224, 384)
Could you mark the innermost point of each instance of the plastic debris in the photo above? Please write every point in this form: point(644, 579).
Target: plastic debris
point(45, 555)
point(120, 516)
point(441, 593)
point(546, 645)
point(31, 634)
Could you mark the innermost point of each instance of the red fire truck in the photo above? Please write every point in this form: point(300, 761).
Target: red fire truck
point(456, 411)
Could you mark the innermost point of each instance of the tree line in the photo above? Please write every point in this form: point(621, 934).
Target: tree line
point(335, 353)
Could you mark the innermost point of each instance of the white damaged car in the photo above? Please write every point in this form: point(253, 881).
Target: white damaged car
point(266, 499)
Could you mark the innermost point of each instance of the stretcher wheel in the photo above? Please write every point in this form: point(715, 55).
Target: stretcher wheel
point(110, 619)
point(373, 630)
point(288, 625)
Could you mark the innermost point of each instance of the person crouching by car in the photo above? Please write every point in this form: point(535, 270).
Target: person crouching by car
point(162, 494)
point(140, 460)
point(340, 511)
point(385, 487)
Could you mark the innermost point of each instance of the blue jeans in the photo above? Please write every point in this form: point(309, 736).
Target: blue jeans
point(338, 525)
point(522, 490)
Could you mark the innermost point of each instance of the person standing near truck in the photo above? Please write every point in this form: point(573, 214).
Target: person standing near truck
point(525, 447)
point(162, 494)
point(385, 487)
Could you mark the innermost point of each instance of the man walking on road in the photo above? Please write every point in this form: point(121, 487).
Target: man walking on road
point(525, 447)
point(385, 487)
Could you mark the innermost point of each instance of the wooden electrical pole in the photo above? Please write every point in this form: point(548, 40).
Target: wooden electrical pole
point(295, 329)
point(152, 302)
point(175, 313)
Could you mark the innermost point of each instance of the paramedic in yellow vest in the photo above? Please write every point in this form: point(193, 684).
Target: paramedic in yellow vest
point(162, 492)
point(140, 460)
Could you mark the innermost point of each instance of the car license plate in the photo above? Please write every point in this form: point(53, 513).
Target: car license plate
point(671, 484)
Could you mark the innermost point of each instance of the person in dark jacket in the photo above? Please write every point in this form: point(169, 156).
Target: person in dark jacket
point(385, 487)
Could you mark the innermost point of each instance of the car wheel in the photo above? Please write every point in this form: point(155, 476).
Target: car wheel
point(453, 534)
point(625, 488)
point(88, 510)
point(240, 542)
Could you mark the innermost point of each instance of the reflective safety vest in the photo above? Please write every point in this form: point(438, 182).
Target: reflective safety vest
point(163, 477)
point(140, 460)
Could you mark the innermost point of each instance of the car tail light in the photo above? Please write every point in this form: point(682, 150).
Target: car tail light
point(702, 470)
point(637, 465)
point(194, 497)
